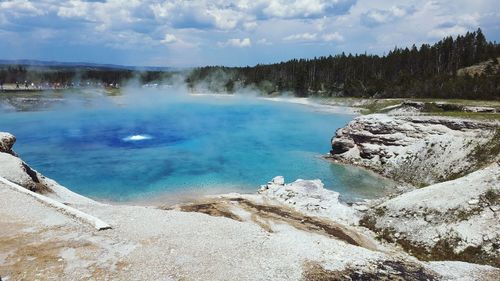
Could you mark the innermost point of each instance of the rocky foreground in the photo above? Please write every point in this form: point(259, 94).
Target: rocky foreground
point(457, 219)
point(296, 231)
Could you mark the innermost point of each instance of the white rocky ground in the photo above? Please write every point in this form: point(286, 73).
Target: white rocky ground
point(415, 149)
point(458, 219)
point(147, 243)
point(297, 231)
point(310, 197)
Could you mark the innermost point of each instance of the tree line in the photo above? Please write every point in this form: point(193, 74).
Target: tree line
point(74, 75)
point(428, 71)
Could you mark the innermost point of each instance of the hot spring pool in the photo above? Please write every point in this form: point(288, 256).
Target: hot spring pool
point(146, 145)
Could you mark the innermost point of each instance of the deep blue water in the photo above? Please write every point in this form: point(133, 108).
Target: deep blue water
point(181, 144)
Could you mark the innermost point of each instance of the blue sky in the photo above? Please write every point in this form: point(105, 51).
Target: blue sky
point(221, 32)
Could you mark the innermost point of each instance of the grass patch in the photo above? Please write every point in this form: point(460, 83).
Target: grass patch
point(367, 106)
point(378, 106)
point(381, 270)
point(487, 103)
point(486, 153)
point(492, 196)
point(450, 107)
point(442, 250)
point(467, 115)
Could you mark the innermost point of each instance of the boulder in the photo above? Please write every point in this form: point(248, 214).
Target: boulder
point(6, 142)
point(310, 197)
point(15, 170)
point(279, 180)
point(340, 146)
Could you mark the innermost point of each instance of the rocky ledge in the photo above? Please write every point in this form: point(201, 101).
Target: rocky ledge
point(14, 169)
point(453, 220)
point(420, 150)
point(310, 197)
point(455, 217)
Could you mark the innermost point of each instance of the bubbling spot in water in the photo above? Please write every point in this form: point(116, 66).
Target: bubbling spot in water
point(138, 138)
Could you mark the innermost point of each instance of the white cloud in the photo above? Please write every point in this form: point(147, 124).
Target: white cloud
point(251, 25)
point(439, 33)
point(133, 41)
point(236, 42)
point(303, 8)
point(19, 8)
point(108, 15)
point(225, 18)
point(264, 41)
point(11, 11)
point(149, 18)
point(169, 38)
point(73, 9)
point(302, 37)
point(167, 27)
point(315, 37)
point(228, 15)
point(330, 37)
point(381, 16)
point(452, 25)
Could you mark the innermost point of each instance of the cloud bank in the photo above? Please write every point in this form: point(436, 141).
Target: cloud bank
point(241, 32)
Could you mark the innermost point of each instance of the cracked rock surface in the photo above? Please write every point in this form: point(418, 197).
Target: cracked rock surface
point(420, 150)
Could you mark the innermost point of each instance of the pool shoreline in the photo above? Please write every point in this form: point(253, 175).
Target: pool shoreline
point(202, 142)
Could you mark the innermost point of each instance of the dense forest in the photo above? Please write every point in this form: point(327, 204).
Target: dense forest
point(428, 71)
point(463, 67)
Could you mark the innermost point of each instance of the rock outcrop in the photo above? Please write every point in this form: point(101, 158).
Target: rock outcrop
point(454, 220)
point(15, 170)
point(456, 217)
point(6, 142)
point(310, 197)
point(420, 150)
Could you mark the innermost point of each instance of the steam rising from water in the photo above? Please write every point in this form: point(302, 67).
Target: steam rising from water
point(138, 138)
point(142, 142)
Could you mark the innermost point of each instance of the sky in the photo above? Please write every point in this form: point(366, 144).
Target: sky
point(187, 33)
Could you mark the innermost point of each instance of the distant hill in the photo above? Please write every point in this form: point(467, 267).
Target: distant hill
point(489, 67)
point(57, 64)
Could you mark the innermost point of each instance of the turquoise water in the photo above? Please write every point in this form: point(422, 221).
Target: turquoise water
point(143, 145)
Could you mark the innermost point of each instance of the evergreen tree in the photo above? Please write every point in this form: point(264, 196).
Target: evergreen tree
point(428, 71)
